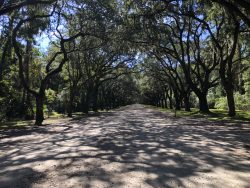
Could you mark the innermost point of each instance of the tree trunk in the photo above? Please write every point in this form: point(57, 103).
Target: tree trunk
point(165, 102)
point(177, 104)
point(177, 100)
point(39, 110)
point(227, 83)
point(187, 103)
point(170, 99)
point(203, 105)
point(230, 102)
point(162, 103)
point(101, 99)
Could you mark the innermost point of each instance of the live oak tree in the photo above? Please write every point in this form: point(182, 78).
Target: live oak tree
point(76, 67)
point(240, 8)
point(174, 72)
point(101, 65)
point(160, 85)
point(189, 27)
point(197, 50)
point(182, 38)
point(8, 6)
point(51, 68)
point(225, 36)
point(118, 92)
point(187, 48)
point(5, 39)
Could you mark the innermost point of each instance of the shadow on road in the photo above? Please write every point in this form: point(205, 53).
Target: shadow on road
point(136, 146)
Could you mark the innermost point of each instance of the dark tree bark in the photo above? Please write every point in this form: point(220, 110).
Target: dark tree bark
point(231, 103)
point(177, 100)
point(187, 102)
point(226, 72)
point(203, 104)
point(227, 83)
point(39, 110)
point(86, 106)
point(170, 99)
point(165, 101)
point(229, 89)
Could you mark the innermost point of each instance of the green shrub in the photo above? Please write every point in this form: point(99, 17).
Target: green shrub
point(221, 103)
point(51, 101)
point(242, 102)
point(10, 101)
point(211, 100)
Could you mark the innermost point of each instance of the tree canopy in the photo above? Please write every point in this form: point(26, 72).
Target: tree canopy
point(59, 56)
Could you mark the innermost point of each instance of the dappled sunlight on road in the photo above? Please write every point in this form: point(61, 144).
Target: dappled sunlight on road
point(134, 146)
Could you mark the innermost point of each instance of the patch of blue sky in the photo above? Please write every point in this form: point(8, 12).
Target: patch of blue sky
point(43, 42)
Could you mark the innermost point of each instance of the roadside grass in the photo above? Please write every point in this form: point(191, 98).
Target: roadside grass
point(16, 124)
point(54, 118)
point(50, 119)
point(215, 115)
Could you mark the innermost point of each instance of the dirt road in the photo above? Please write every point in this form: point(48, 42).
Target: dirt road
point(134, 146)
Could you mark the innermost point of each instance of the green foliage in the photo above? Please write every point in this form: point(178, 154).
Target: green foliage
point(10, 96)
point(242, 102)
point(116, 31)
point(216, 115)
point(221, 103)
point(50, 96)
point(51, 100)
point(246, 78)
point(211, 99)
